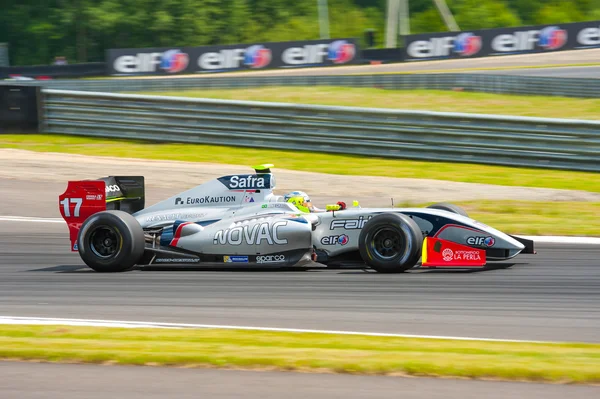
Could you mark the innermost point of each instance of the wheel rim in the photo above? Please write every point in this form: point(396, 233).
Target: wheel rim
point(105, 242)
point(388, 243)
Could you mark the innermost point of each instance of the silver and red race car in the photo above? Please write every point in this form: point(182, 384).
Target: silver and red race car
point(237, 220)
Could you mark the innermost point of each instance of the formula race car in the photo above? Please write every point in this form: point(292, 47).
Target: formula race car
point(237, 219)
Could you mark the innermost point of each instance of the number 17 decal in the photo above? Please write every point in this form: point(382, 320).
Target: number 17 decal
point(67, 209)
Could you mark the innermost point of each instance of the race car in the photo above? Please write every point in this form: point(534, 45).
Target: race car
point(238, 220)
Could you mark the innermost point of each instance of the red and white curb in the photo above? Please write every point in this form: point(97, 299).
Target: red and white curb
point(537, 239)
point(49, 321)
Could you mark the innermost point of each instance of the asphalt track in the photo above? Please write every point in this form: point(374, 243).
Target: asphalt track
point(68, 381)
point(554, 295)
point(592, 72)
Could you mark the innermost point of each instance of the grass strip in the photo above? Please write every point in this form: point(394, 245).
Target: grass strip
point(303, 161)
point(559, 363)
point(425, 100)
point(535, 217)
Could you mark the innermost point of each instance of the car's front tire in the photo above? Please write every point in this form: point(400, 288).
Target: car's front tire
point(111, 241)
point(390, 243)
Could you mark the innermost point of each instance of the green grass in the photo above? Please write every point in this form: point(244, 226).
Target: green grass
point(536, 217)
point(315, 162)
point(562, 363)
point(427, 100)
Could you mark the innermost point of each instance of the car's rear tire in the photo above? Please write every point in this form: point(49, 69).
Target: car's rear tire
point(390, 243)
point(111, 241)
point(449, 207)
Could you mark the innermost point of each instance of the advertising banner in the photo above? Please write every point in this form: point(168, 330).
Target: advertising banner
point(502, 41)
point(189, 60)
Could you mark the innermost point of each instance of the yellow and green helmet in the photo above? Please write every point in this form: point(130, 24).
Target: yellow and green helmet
point(300, 200)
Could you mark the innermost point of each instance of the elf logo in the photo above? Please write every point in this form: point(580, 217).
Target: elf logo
point(465, 44)
point(589, 36)
point(481, 241)
point(549, 38)
point(170, 61)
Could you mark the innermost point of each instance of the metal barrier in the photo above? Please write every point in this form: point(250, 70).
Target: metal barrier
point(431, 136)
point(507, 84)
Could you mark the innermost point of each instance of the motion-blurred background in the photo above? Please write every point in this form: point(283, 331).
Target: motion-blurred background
point(39, 32)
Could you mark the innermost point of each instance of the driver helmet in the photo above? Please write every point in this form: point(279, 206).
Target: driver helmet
point(300, 200)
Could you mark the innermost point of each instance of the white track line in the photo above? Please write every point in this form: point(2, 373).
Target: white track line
point(564, 240)
point(30, 219)
point(145, 324)
point(537, 239)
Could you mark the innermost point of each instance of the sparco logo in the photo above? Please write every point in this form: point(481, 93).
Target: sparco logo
point(251, 182)
point(549, 38)
point(251, 235)
point(113, 188)
point(204, 200)
point(270, 258)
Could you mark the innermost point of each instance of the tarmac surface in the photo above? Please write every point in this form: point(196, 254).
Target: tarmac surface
point(70, 381)
point(551, 296)
point(554, 295)
point(562, 72)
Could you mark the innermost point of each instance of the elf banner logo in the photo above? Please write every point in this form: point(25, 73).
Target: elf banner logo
point(466, 44)
point(548, 38)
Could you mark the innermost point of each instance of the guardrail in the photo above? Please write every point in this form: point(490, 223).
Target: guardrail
point(431, 136)
point(507, 84)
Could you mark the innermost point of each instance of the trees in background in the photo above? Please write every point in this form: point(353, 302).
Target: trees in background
point(80, 30)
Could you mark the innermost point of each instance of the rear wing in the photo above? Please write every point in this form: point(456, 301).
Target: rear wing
point(83, 198)
point(125, 193)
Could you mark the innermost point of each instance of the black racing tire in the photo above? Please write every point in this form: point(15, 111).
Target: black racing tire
point(111, 241)
point(390, 243)
point(449, 207)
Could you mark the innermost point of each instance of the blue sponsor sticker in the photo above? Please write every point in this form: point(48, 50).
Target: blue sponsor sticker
point(235, 259)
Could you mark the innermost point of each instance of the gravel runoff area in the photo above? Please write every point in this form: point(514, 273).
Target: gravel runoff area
point(377, 191)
